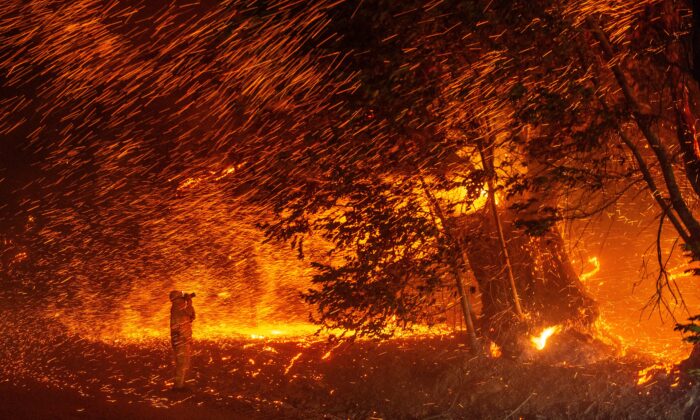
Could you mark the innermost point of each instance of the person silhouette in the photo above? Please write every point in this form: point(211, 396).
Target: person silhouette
point(181, 318)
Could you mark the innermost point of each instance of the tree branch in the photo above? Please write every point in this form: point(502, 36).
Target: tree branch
point(487, 163)
point(464, 299)
point(676, 198)
point(649, 179)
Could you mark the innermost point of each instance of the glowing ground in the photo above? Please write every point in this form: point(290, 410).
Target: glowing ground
point(59, 376)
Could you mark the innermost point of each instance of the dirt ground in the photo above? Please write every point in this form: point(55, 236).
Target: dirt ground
point(52, 375)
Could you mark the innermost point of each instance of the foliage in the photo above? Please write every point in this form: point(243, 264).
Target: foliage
point(691, 328)
point(433, 85)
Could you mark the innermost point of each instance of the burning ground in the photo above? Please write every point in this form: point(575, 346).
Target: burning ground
point(62, 376)
point(256, 358)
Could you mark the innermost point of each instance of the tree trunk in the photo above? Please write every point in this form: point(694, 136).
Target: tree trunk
point(465, 302)
point(550, 291)
point(487, 163)
point(467, 311)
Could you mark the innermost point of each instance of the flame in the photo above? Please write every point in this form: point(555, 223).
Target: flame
point(495, 350)
point(540, 341)
point(594, 271)
point(647, 374)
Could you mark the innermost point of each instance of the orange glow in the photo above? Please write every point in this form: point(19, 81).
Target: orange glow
point(647, 374)
point(540, 341)
point(495, 350)
point(592, 272)
point(291, 362)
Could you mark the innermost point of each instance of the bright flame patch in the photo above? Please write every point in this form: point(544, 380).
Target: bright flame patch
point(495, 350)
point(596, 268)
point(645, 375)
point(540, 341)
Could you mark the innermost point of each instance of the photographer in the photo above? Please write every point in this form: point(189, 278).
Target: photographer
point(181, 317)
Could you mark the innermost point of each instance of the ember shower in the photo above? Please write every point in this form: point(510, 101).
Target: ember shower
point(324, 161)
point(122, 137)
point(133, 135)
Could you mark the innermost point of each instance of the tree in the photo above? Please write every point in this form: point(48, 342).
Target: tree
point(403, 127)
point(630, 96)
point(668, 61)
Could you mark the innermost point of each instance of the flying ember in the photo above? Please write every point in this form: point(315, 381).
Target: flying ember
point(349, 209)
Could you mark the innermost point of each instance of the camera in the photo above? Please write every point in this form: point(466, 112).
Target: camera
point(188, 295)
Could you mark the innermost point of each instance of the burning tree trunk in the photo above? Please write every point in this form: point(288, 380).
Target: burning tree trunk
point(550, 291)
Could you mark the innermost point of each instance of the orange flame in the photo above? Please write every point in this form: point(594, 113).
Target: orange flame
point(495, 350)
point(645, 375)
point(592, 272)
point(540, 341)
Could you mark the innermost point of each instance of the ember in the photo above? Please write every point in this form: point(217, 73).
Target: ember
point(379, 204)
point(495, 350)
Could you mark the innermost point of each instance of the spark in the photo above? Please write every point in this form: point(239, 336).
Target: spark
point(139, 119)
